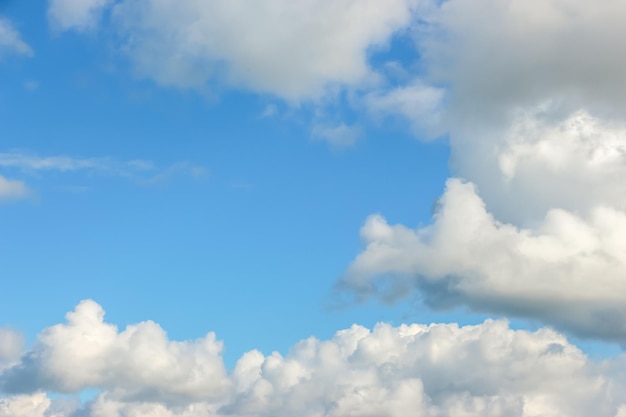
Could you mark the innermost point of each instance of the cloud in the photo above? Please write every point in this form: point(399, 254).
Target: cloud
point(294, 50)
point(12, 346)
point(35, 405)
point(418, 103)
point(568, 271)
point(433, 370)
point(532, 99)
point(80, 15)
point(11, 40)
point(337, 136)
point(141, 171)
point(12, 189)
point(498, 56)
point(138, 363)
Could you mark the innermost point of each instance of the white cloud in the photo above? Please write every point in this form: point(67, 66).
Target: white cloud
point(295, 50)
point(11, 40)
point(141, 171)
point(138, 363)
point(534, 99)
point(575, 162)
point(569, 271)
point(78, 15)
point(497, 56)
point(436, 370)
point(420, 104)
point(12, 346)
point(35, 405)
point(12, 189)
point(337, 136)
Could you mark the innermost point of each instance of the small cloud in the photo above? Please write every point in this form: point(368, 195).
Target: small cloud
point(12, 189)
point(31, 85)
point(337, 136)
point(179, 169)
point(81, 15)
point(269, 111)
point(139, 171)
point(74, 189)
point(418, 103)
point(11, 40)
point(240, 185)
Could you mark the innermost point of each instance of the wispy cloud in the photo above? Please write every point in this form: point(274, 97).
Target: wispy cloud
point(337, 136)
point(11, 40)
point(30, 163)
point(140, 171)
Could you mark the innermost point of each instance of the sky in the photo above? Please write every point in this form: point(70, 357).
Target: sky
point(341, 208)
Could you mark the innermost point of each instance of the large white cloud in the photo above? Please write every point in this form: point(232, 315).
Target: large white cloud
point(139, 362)
point(437, 370)
point(534, 107)
point(11, 347)
point(291, 49)
point(569, 271)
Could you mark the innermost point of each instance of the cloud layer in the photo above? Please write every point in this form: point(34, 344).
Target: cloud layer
point(11, 40)
point(428, 370)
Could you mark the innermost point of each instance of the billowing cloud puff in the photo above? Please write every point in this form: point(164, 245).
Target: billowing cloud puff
point(436, 370)
point(568, 271)
point(576, 162)
point(139, 362)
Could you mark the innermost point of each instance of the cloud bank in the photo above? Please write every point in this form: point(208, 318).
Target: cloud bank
point(428, 370)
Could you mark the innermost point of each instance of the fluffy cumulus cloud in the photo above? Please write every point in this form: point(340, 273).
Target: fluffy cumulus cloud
point(291, 49)
point(568, 271)
point(138, 363)
point(11, 40)
point(534, 223)
point(437, 370)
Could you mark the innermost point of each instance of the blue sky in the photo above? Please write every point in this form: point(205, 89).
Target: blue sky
point(255, 242)
point(276, 171)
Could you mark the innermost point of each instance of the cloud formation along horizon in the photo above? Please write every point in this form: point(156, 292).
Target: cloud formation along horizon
point(435, 370)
